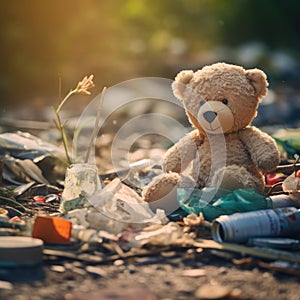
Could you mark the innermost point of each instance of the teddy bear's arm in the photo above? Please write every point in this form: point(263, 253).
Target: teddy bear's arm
point(262, 148)
point(182, 153)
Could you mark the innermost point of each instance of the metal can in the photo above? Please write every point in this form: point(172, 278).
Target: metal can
point(240, 227)
point(283, 200)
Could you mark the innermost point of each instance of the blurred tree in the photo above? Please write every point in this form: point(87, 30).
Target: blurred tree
point(121, 39)
point(275, 22)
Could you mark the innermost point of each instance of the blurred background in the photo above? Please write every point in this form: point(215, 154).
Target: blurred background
point(42, 41)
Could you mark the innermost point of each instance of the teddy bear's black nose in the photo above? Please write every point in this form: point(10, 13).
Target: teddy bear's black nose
point(210, 115)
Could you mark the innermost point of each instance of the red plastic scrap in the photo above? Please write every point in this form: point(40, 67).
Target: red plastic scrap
point(272, 178)
point(52, 230)
point(15, 219)
point(39, 199)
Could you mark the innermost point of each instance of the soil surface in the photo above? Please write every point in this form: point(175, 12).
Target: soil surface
point(149, 277)
point(154, 272)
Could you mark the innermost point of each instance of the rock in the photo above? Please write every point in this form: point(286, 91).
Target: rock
point(212, 291)
point(58, 268)
point(5, 285)
point(194, 273)
point(96, 271)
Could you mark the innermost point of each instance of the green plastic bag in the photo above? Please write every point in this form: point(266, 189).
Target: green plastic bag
point(216, 202)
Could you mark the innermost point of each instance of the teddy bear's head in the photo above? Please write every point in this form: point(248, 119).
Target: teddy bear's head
point(220, 98)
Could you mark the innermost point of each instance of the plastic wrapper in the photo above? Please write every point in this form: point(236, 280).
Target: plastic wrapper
point(28, 158)
point(24, 145)
point(142, 173)
point(162, 235)
point(19, 171)
point(89, 218)
point(118, 201)
point(116, 207)
point(292, 183)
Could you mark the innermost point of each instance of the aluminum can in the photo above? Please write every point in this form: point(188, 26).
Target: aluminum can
point(283, 200)
point(240, 227)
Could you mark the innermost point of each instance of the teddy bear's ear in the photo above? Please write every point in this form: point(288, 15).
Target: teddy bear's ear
point(258, 79)
point(181, 80)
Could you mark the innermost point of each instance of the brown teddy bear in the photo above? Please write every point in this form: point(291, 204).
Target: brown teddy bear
point(223, 151)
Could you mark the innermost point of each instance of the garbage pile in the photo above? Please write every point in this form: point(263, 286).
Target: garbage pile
point(99, 218)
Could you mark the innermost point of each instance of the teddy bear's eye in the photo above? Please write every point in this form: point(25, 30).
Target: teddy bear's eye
point(202, 102)
point(225, 101)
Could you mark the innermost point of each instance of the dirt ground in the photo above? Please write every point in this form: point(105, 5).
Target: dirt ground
point(162, 276)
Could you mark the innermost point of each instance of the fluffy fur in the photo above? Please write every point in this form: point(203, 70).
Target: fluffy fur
point(223, 151)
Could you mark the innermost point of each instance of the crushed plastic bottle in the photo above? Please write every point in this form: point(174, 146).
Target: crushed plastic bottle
point(81, 182)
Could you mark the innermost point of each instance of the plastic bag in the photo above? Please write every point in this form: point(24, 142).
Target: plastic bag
point(216, 202)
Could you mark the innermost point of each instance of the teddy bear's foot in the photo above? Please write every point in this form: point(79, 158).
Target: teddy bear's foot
point(162, 193)
point(161, 186)
point(164, 184)
point(235, 177)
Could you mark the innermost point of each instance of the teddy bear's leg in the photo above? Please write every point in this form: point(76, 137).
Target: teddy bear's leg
point(234, 177)
point(161, 192)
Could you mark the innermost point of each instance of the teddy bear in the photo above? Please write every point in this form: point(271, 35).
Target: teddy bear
point(223, 151)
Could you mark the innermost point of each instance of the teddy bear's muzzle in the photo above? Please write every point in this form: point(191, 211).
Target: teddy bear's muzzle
point(215, 117)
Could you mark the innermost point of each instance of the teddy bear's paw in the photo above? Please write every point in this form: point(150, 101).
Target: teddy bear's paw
point(235, 177)
point(161, 186)
point(268, 163)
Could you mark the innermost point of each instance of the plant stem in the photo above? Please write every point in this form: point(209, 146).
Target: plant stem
point(95, 126)
point(61, 127)
point(81, 88)
point(64, 100)
point(77, 132)
point(63, 137)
